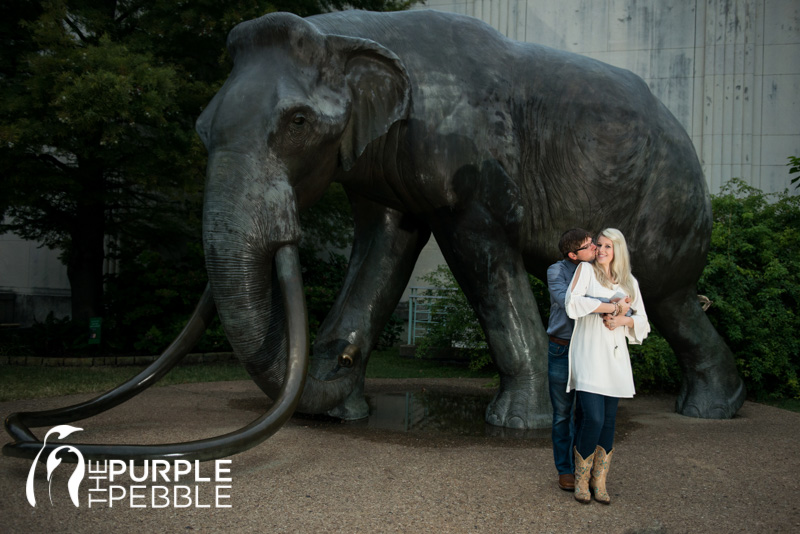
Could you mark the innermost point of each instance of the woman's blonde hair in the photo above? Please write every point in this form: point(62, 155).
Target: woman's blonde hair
point(620, 266)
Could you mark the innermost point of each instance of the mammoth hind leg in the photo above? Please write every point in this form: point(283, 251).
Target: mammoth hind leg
point(26, 445)
point(491, 272)
point(711, 387)
point(500, 294)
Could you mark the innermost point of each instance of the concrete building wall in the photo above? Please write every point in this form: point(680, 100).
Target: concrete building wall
point(33, 282)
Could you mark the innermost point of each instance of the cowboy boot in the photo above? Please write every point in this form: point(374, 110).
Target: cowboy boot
point(583, 472)
point(597, 484)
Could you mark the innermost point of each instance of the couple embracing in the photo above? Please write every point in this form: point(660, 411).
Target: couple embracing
point(596, 309)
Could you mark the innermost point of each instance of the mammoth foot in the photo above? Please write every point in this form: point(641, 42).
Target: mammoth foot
point(710, 398)
point(520, 405)
point(353, 408)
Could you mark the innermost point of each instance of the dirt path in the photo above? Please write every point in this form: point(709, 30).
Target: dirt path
point(670, 473)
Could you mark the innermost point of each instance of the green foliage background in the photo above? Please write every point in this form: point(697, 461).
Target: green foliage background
point(753, 281)
point(98, 102)
point(794, 168)
point(455, 323)
point(101, 161)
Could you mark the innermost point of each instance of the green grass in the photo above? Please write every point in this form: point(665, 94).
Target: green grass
point(32, 382)
point(389, 364)
point(793, 405)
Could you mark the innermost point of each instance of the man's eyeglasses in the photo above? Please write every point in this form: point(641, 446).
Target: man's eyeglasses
point(584, 247)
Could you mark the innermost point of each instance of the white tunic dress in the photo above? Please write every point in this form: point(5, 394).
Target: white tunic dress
point(598, 357)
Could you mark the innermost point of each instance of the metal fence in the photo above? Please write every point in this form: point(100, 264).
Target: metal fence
point(420, 314)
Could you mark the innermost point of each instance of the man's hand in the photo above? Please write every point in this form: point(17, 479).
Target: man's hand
point(624, 305)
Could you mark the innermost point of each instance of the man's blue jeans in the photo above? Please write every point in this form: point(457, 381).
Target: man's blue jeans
point(596, 422)
point(563, 403)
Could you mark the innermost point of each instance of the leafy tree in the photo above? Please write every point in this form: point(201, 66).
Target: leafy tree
point(454, 324)
point(305, 8)
point(97, 107)
point(97, 131)
point(794, 168)
point(148, 301)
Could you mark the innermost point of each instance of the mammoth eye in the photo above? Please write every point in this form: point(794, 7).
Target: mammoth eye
point(298, 119)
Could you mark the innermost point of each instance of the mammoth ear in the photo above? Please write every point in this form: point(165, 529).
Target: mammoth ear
point(380, 90)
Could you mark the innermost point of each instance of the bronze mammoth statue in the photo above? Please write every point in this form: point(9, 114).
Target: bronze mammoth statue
point(433, 123)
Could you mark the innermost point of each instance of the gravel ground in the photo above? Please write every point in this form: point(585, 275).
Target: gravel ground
point(669, 473)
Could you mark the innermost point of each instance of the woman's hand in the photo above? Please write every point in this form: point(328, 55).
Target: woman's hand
point(613, 321)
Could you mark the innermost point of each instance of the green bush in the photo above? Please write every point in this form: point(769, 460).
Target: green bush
point(390, 337)
point(753, 281)
point(322, 279)
point(152, 297)
point(149, 301)
point(53, 337)
point(654, 364)
point(454, 323)
point(655, 367)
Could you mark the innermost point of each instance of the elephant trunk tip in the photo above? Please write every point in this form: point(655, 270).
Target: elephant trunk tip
point(349, 356)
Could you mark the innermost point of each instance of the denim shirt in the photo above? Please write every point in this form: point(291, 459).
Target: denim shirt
point(559, 276)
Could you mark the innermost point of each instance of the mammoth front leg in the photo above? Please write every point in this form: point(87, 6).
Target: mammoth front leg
point(386, 247)
point(492, 275)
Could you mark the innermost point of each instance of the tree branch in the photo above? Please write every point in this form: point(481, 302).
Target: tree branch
point(83, 38)
point(48, 158)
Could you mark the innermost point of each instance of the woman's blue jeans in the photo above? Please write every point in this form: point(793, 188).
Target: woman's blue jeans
point(597, 416)
point(563, 421)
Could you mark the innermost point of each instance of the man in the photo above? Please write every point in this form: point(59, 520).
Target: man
point(576, 246)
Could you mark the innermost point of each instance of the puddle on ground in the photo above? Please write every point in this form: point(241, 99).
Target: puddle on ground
point(431, 412)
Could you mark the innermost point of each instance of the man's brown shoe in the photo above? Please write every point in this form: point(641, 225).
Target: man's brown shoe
point(566, 482)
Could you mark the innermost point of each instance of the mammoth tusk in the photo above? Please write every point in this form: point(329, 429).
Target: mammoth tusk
point(288, 269)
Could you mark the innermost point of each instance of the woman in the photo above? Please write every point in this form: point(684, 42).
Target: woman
point(600, 368)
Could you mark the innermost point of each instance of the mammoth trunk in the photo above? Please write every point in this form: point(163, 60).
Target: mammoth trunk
point(245, 224)
point(250, 306)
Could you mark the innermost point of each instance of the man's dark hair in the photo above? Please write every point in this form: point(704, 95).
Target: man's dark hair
point(571, 240)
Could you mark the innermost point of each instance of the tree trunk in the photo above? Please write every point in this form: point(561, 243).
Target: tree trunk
point(86, 253)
